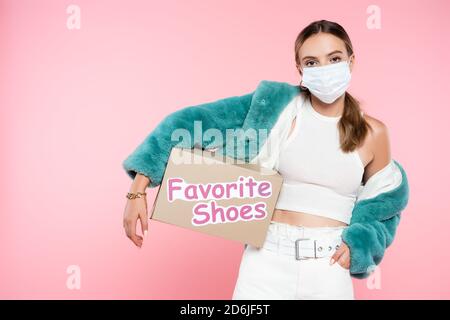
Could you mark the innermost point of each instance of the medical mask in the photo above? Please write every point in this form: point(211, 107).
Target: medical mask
point(328, 82)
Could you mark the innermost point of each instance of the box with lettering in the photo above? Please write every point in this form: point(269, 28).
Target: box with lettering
point(211, 193)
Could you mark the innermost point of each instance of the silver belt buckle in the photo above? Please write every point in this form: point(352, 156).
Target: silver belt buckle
point(297, 247)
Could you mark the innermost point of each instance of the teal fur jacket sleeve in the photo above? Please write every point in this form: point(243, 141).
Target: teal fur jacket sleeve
point(151, 155)
point(377, 211)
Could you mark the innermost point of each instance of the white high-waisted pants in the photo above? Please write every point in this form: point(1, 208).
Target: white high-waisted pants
point(266, 273)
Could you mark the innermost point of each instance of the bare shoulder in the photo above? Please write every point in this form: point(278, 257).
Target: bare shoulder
point(378, 126)
point(379, 132)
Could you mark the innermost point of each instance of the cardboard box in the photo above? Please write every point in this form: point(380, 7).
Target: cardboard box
point(211, 193)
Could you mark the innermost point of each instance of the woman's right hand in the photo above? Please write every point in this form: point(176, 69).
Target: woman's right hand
point(136, 209)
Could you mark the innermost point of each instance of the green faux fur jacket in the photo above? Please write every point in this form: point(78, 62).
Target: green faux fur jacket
point(375, 217)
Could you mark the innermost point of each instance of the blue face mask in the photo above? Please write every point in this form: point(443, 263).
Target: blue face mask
point(327, 82)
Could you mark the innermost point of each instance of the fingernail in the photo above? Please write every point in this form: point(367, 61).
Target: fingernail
point(145, 234)
point(331, 261)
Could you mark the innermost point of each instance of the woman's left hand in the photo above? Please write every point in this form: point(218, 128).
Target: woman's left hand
point(342, 256)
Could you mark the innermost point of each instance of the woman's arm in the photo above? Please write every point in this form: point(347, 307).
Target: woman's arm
point(140, 183)
point(147, 163)
point(136, 209)
point(379, 146)
point(375, 219)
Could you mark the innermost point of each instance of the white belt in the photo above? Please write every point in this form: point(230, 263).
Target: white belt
point(305, 248)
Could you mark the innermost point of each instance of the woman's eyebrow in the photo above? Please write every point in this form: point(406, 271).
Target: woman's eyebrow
point(331, 53)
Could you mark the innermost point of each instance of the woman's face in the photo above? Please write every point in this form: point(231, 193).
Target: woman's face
point(322, 49)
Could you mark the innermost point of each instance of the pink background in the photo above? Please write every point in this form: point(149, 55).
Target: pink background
point(75, 103)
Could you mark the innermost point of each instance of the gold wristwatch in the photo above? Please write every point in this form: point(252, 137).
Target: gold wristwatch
point(131, 195)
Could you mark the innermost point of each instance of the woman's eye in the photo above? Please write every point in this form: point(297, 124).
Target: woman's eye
point(334, 59)
point(308, 63)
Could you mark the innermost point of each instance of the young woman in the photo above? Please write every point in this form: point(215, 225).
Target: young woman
point(330, 149)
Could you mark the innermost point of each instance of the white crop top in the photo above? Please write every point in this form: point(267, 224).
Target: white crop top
point(319, 178)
